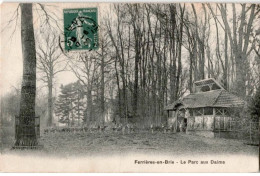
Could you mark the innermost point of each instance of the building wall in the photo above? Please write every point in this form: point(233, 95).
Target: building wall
point(209, 123)
point(201, 123)
point(223, 123)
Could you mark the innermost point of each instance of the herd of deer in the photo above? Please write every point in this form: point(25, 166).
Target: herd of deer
point(127, 128)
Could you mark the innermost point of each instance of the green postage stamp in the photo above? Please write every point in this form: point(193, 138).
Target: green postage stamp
point(81, 29)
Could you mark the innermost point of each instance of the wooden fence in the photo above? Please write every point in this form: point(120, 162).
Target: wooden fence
point(245, 130)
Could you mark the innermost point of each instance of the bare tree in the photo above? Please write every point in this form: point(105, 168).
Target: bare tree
point(120, 61)
point(50, 63)
point(239, 37)
point(104, 44)
point(85, 67)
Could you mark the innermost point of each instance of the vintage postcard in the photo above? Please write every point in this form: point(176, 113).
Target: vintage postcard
point(130, 87)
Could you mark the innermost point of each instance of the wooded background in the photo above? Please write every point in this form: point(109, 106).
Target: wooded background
point(149, 56)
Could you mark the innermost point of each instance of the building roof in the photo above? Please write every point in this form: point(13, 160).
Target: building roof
point(208, 81)
point(213, 98)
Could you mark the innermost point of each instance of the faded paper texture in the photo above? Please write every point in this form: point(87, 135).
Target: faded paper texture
point(130, 87)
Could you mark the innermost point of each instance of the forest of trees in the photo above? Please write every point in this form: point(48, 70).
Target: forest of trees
point(149, 56)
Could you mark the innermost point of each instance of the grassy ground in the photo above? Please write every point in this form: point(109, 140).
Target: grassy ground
point(106, 143)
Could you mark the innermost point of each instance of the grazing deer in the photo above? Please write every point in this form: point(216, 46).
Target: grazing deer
point(123, 129)
point(164, 128)
point(130, 128)
point(151, 127)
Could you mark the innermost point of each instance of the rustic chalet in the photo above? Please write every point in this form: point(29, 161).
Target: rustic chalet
point(205, 112)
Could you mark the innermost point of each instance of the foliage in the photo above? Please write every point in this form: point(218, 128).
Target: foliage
point(69, 105)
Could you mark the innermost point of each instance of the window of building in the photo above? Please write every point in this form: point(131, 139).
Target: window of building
point(202, 111)
point(218, 111)
point(191, 112)
point(208, 111)
point(215, 87)
point(205, 88)
point(198, 112)
point(225, 111)
point(222, 111)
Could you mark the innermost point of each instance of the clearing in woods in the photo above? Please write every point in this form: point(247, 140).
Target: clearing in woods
point(104, 143)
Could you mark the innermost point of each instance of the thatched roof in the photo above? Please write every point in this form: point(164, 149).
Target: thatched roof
point(213, 98)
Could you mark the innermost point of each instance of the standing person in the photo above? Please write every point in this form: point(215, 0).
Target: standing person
point(186, 118)
point(181, 126)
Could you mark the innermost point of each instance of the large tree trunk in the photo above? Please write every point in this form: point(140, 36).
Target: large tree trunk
point(190, 73)
point(200, 42)
point(26, 135)
point(78, 110)
point(225, 71)
point(182, 9)
point(173, 55)
point(137, 47)
point(50, 104)
point(89, 106)
point(102, 120)
point(135, 94)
